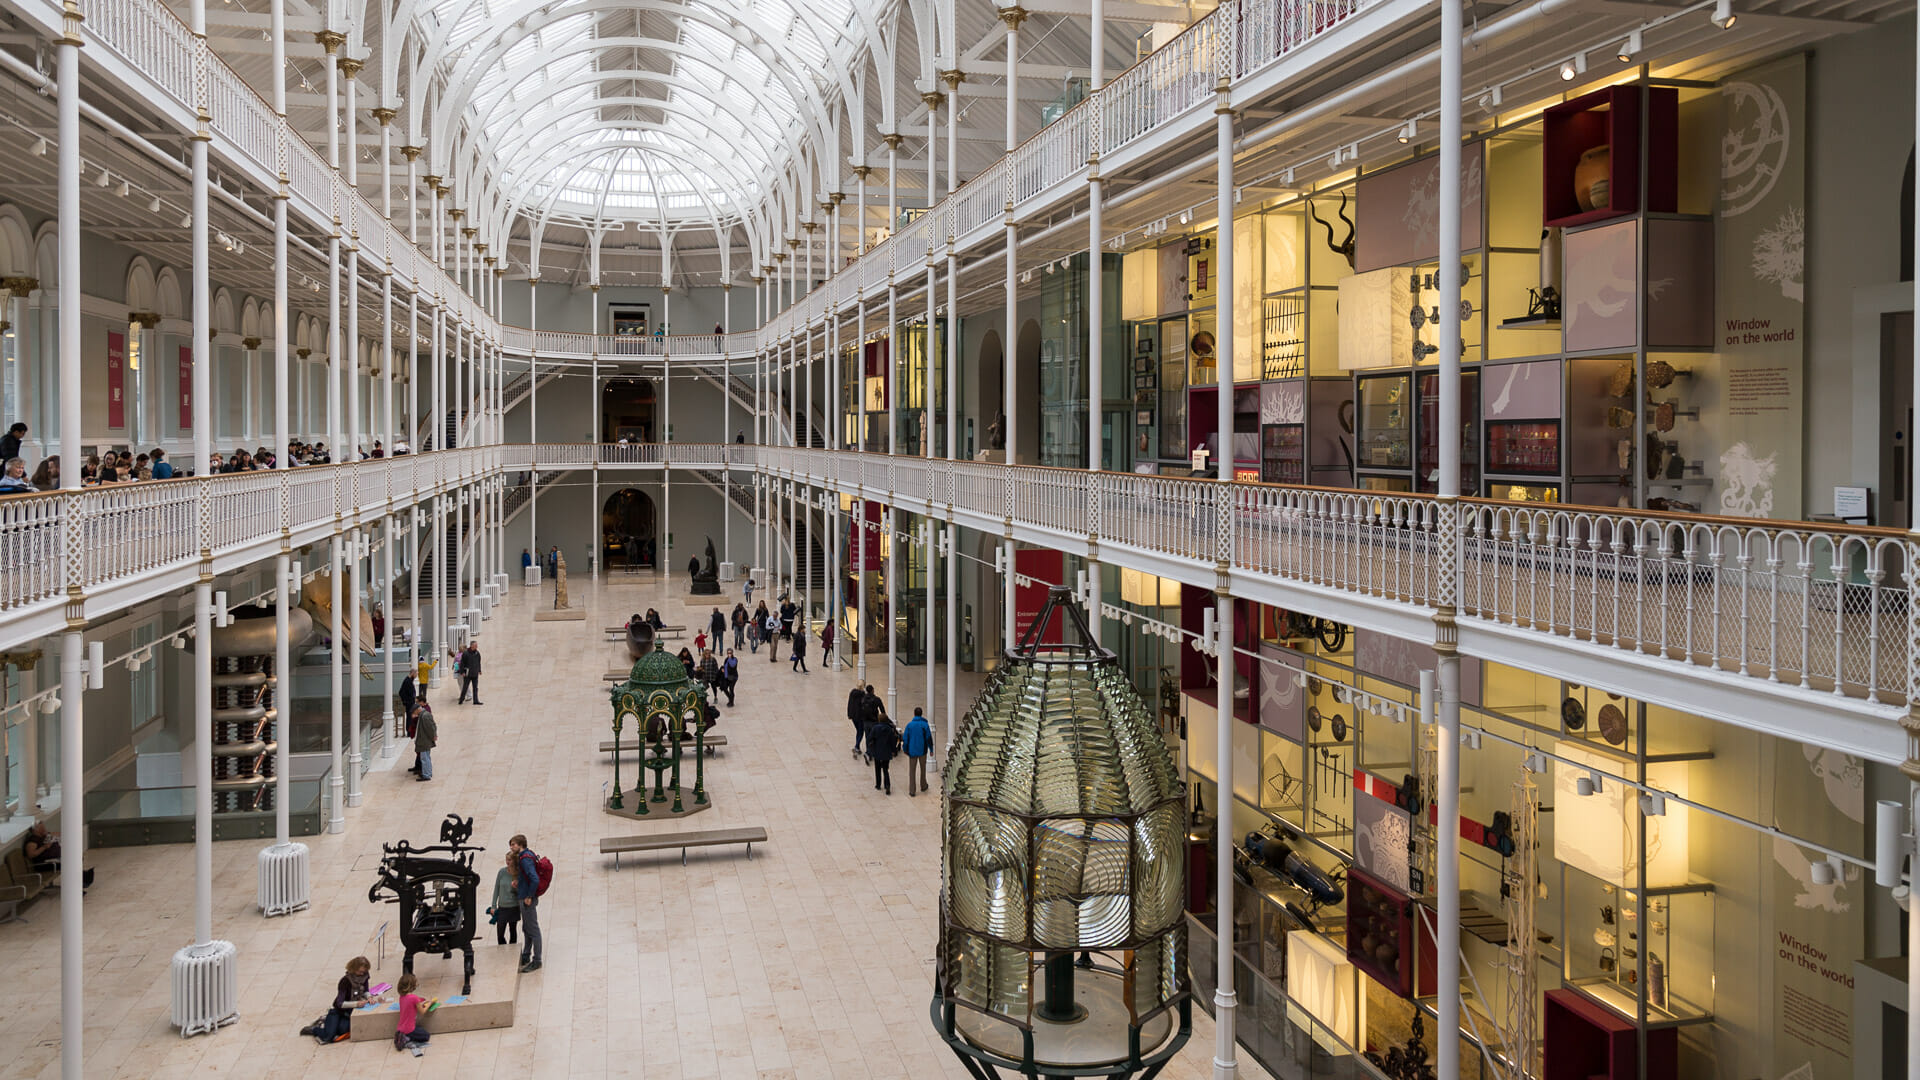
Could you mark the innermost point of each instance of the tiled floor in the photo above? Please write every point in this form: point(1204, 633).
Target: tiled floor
point(813, 959)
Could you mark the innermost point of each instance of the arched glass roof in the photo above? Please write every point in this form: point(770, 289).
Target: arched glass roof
point(662, 111)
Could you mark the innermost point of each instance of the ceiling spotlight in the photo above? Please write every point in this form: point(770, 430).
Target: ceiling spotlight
point(50, 704)
point(1653, 804)
point(126, 189)
point(1571, 68)
point(1185, 217)
point(1631, 47)
point(1723, 14)
point(1823, 873)
point(153, 205)
point(186, 221)
point(1588, 784)
point(105, 180)
point(1408, 132)
point(1491, 100)
point(1286, 178)
point(40, 147)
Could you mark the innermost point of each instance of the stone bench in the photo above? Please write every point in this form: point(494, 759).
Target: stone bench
point(629, 845)
point(711, 742)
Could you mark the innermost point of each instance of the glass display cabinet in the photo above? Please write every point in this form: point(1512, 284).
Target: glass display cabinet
point(1385, 422)
point(1283, 454)
point(1523, 448)
point(1629, 950)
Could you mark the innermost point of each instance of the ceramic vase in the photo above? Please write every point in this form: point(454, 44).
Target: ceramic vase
point(1590, 179)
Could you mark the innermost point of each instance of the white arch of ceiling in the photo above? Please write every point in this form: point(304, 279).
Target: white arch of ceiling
point(508, 142)
point(586, 155)
point(539, 156)
point(526, 18)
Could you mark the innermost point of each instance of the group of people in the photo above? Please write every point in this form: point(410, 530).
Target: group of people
point(517, 888)
point(884, 741)
point(771, 627)
point(126, 466)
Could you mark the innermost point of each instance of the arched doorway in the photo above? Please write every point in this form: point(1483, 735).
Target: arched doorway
point(989, 369)
point(627, 537)
point(627, 411)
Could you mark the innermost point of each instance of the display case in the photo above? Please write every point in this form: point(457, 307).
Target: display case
point(1523, 448)
point(1385, 937)
point(1283, 453)
point(1385, 422)
point(1283, 337)
point(1626, 949)
point(1427, 467)
point(1512, 492)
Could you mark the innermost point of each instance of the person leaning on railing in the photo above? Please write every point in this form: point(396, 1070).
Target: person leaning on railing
point(47, 476)
point(15, 481)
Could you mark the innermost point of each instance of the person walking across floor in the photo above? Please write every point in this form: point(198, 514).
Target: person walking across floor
point(826, 645)
point(730, 675)
point(800, 647)
point(882, 743)
point(470, 674)
point(870, 712)
point(717, 629)
point(773, 638)
point(529, 885)
point(506, 903)
point(739, 626)
point(426, 736)
point(917, 741)
point(856, 714)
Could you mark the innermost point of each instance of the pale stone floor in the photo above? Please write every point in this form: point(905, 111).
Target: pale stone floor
point(812, 959)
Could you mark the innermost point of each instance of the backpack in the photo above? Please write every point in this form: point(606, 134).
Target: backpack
point(543, 868)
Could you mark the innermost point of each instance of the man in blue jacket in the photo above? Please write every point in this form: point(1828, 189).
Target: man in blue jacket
point(528, 889)
point(917, 740)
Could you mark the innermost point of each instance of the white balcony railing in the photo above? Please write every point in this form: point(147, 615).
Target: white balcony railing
point(1820, 607)
point(119, 532)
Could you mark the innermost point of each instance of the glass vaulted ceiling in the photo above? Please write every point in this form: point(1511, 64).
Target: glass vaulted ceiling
point(647, 110)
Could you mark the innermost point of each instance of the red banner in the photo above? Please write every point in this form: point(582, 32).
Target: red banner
point(1044, 567)
point(186, 388)
point(116, 380)
point(855, 532)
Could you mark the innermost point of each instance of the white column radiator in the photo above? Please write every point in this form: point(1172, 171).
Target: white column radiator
point(206, 987)
point(284, 884)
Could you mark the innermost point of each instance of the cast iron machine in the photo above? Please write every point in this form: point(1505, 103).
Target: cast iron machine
point(437, 896)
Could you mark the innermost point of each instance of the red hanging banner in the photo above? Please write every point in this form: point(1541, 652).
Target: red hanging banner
point(871, 515)
point(116, 380)
point(1044, 568)
point(186, 388)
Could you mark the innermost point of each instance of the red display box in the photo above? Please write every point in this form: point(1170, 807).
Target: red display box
point(1583, 1040)
point(1386, 938)
point(1612, 117)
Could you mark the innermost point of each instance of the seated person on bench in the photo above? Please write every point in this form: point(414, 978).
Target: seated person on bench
point(43, 854)
point(654, 620)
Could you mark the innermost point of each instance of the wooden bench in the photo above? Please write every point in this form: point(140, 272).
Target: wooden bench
point(711, 742)
point(628, 845)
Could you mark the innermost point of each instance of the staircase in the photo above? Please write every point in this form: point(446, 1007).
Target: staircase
point(429, 573)
point(449, 434)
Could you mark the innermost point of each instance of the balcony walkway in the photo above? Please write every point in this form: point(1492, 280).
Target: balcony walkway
point(1791, 628)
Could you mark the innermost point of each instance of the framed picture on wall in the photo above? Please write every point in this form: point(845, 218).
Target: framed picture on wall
point(630, 320)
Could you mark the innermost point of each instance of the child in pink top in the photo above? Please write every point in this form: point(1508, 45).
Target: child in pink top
point(407, 1034)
